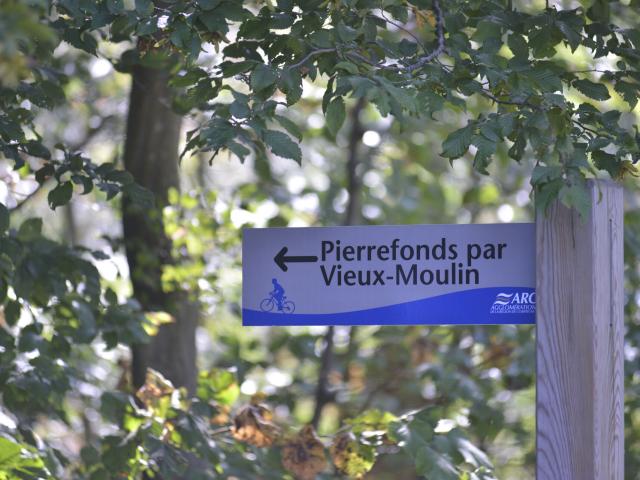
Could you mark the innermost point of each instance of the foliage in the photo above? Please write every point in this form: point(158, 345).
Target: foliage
point(508, 56)
point(551, 88)
point(169, 434)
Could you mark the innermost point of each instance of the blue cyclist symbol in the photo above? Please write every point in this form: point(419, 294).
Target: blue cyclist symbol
point(277, 299)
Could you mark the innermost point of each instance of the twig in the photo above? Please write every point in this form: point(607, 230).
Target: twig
point(379, 65)
point(490, 96)
point(221, 431)
point(91, 133)
point(440, 31)
point(313, 53)
point(29, 197)
point(591, 130)
point(410, 68)
point(400, 27)
point(591, 70)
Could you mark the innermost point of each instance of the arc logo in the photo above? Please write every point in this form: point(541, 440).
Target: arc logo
point(519, 302)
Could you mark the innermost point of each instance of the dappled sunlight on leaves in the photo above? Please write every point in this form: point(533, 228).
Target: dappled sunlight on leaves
point(156, 393)
point(351, 457)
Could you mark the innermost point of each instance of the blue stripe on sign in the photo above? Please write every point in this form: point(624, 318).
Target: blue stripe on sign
point(482, 306)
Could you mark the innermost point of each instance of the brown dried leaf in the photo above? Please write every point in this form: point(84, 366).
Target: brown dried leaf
point(423, 16)
point(222, 415)
point(252, 424)
point(155, 389)
point(304, 455)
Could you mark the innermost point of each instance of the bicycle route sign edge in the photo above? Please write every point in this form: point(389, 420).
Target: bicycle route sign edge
point(389, 275)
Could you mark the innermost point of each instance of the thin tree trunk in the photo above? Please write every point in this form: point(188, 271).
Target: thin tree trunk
point(151, 156)
point(71, 227)
point(351, 217)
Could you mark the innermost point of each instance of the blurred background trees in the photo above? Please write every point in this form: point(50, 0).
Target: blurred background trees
point(120, 234)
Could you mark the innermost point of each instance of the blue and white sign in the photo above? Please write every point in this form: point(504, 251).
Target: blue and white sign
point(389, 275)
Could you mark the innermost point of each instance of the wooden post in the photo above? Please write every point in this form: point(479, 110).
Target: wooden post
point(580, 385)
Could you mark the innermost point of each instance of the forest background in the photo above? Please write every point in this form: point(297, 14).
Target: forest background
point(138, 138)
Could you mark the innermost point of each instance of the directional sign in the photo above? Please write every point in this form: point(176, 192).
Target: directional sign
point(389, 275)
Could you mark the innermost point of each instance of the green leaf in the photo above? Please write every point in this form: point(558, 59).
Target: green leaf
point(351, 457)
point(189, 78)
point(457, 143)
point(37, 149)
point(571, 29)
point(119, 176)
point(289, 126)
point(238, 150)
point(335, 115)
point(12, 312)
point(229, 69)
point(262, 77)
point(115, 6)
point(606, 161)
point(328, 94)
point(419, 441)
point(576, 196)
point(30, 229)
point(518, 46)
point(239, 109)
point(42, 174)
point(214, 21)
point(517, 149)
point(543, 40)
point(545, 76)
point(291, 85)
point(599, 11)
point(60, 195)
point(86, 329)
point(208, 4)
point(371, 420)
point(628, 91)
point(90, 455)
point(472, 454)
point(346, 33)
point(180, 35)
point(144, 7)
point(219, 385)
point(86, 183)
point(597, 143)
point(282, 145)
point(597, 91)
point(4, 218)
point(140, 196)
point(9, 455)
point(348, 67)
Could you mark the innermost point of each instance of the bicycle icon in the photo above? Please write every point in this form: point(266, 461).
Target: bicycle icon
point(269, 303)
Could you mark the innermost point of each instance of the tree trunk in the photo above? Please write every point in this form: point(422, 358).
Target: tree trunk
point(151, 156)
point(351, 217)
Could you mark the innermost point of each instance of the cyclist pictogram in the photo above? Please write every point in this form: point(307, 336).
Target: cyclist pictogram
point(277, 299)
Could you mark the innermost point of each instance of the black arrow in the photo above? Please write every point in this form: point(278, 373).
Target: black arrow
point(281, 260)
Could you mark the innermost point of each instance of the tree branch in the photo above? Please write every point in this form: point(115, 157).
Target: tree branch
point(400, 27)
point(422, 61)
point(29, 197)
point(91, 133)
point(440, 32)
point(312, 53)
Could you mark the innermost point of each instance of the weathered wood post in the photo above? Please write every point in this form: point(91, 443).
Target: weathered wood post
point(580, 386)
